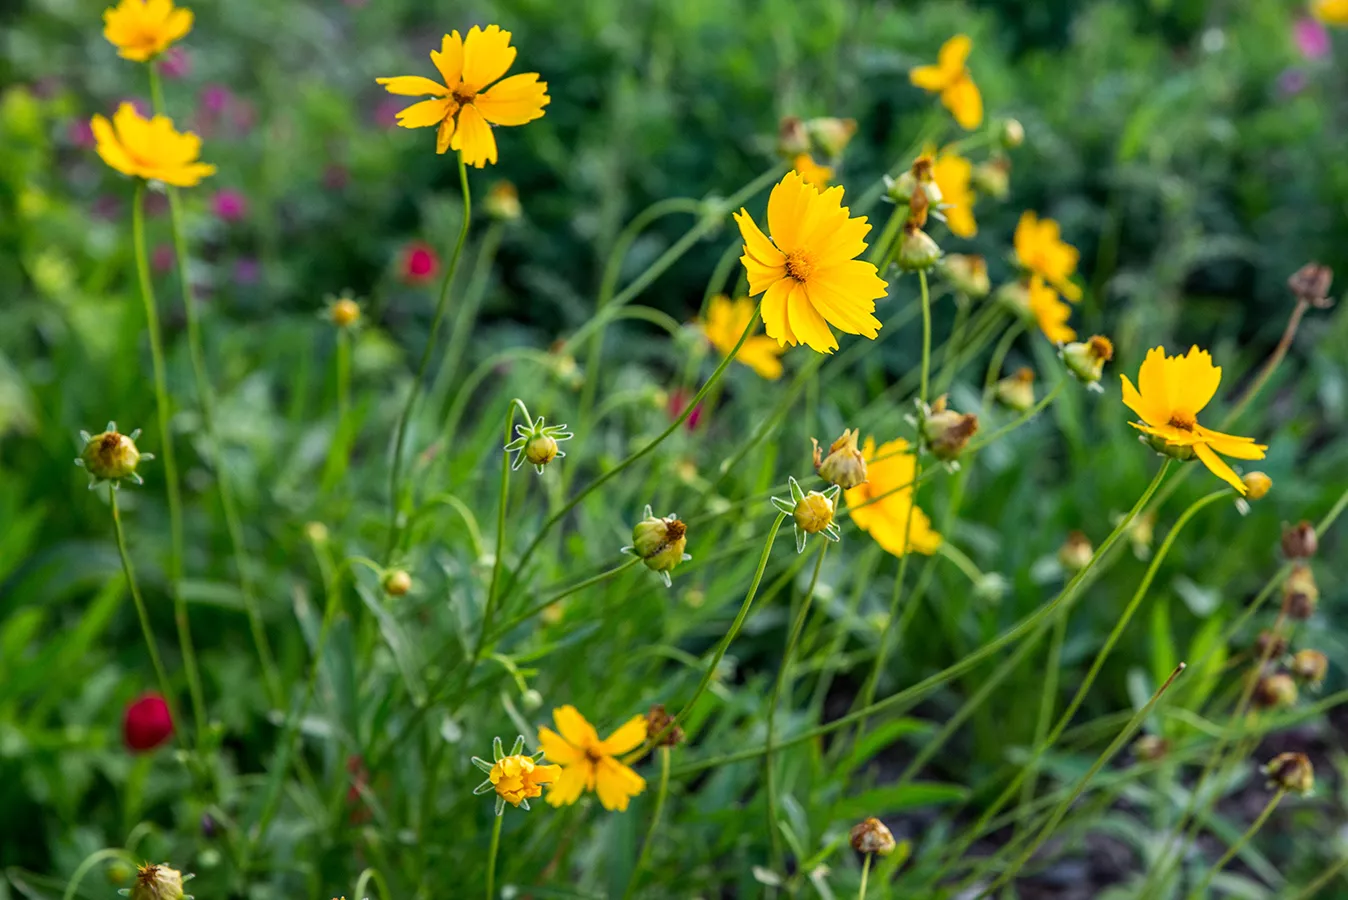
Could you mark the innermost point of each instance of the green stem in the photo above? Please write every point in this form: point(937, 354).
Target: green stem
point(1322, 879)
point(880, 249)
point(1235, 848)
point(491, 856)
point(644, 856)
point(1020, 420)
point(565, 592)
point(865, 873)
point(400, 433)
point(165, 411)
point(998, 359)
point(151, 646)
point(926, 339)
point(783, 670)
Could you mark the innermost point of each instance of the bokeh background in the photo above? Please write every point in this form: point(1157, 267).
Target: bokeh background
point(1193, 150)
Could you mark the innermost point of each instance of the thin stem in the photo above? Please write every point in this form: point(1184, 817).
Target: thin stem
point(565, 592)
point(165, 411)
point(926, 337)
point(769, 782)
point(1235, 848)
point(1020, 420)
point(644, 856)
point(491, 856)
point(400, 433)
point(880, 249)
point(151, 646)
point(865, 874)
point(1323, 879)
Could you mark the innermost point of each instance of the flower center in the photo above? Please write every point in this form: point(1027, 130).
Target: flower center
point(462, 97)
point(798, 265)
point(593, 755)
point(1183, 421)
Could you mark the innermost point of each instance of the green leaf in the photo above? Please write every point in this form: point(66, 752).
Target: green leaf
point(880, 738)
point(896, 798)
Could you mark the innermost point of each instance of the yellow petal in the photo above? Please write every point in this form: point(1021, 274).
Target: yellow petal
point(487, 55)
point(756, 243)
point(545, 774)
point(444, 134)
point(965, 103)
point(616, 784)
point(425, 114)
point(788, 209)
point(807, 323)
point(569, 785)
point(473, 138)
point(1230, 444)
point(775, 322)
point(449, 59)
point(185, 176)
point(109, 148)
point(1153, 382)
point(1217, 466)
point(840, 239)
point(954, 53)
point(929, 78)
point(578, 732)
point(177, 25)
point(514, 101)
point(1195, 381)
point(557, 749)
point(845, 295)
point(762, 354)
point(1145, 410)
point(628, 737)
point(412, 86)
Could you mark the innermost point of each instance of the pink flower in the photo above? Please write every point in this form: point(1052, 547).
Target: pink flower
point(229, 205)
point(678, 402)
point(386, 112)
point(1292, 81)
point(162, 258)
point(215, 98)
point(419, 263)
point(176, 63)
point(79, 133)
point(147, 723)
point(247, 271)
point(1312, 38)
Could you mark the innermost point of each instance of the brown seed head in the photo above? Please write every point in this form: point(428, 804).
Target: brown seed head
point(658, 723)
point(1300, 540)
point(872, 836)
point(1291, 772)
point(1311, 283)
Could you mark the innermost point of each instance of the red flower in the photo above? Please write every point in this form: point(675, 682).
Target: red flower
point(147, 723)
point(419, 263)
point(678, 401)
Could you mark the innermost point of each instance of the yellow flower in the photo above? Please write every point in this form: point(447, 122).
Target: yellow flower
point(952, 174)
point(1335, 12)
point(726, 321)
point(149, 148)
point(143, 29)
point(808, 272)
point(1050, 312)
point(1042, 251)
point(951, 79)
point(891, 468)
point(589, 764)
point(1171, 391)
point(468, 65)
point(518, 778)
point(811, 171)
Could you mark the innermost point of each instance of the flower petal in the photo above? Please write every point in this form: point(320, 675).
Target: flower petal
point(1217, 466)
point(425, 114)
point(954, 53)
point(557, 748)
point(775, 322)
point(616, 784)
point(578, 732)
point(756, 243)
point(110, 148)
point(514, 101)
point(627, 737)
point(444, 134)
point(569, 785)
point(845, 296)
point(412, 86)
point(965, 103)
point(449, 59)
point(487, 55)
point(788, 209)
point(1153, 382)
point(807, 323)
point(473, 138)
point(762, 354)
point(1195, 381)
point(929, 78)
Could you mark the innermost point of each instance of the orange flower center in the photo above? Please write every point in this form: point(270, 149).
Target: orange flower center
point(798, 265)
point(1183, 421)
point(593, 755)
point(462, 97)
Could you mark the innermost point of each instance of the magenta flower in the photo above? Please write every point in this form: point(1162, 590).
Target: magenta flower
point(176, 63)
point(215, 98)
point(229, 205)
point(678, 401)
point(1312, 38)
point(79, 133)
point(162, 258)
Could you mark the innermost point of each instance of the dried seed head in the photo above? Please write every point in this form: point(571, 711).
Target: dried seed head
point(872, 836)
point(158, 882)
point(1016, 391)
point(1310, 666)
point(831, 135)
point(1276, 691)
point(1075, 553)
point(1257, 485)
point(1299, 541)
point(1151, 747)
point(946, 431)
point(397, 583)
point(1311, 283)
point(1291, 772)
point(660, 726)
point(844, 465)
point(792, 138)
point(967, 273)
point(1300, 593)
point(1270, 645)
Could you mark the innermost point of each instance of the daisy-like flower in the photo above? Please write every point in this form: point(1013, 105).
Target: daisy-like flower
point(726, 321)
point(951, 79)
point(516, 777)
point(1170, 393)
point(1333, 12)
point(810, 513)
point(589, 764)
point(1050, 312)
point(811, 171)
point(149, 148)
point(808, 271)
point(143, 29)
point(890, 470)
point(1041, 250)
point(953, 174)
point(472, 99)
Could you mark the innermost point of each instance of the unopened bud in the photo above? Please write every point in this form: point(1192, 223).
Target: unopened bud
point(1076, 552)
point(537, 442)
point(503, 202)
point(1009, 133)
point(1311, 283)
point(992, 178)
point(792, 138)
point(1291, 772)
point(831, 135)
point(661, 727)
point(1276, 691)
point(1257, 485)
point(917, 250)
point(531, 699)
point(540, 450)
point(111, 455)
point(967, 274)
point(900, 189)
point(1181, 452)
point(157, 882)
point(344, 312)
point(844, 465)
point(1310, 666)
point(1151, 747)
point(812, 513)
point(316, 532)
point(1086, 359)
point(397, 583)
point(1016, 391)
point(1299, 541)
point(1014, 297)
point(1270, 644)
point(947, 432)
point(872, 836)
point(1300, 593)
point(660, 542)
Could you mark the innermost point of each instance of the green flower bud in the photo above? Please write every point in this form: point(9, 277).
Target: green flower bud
point(946, 431)
point(111, 456)
point(917, 250)
point(660, 543)
point(1087, 360)
point(1016, 391)
point(967, 274)
point(397, 583)
point(844, 465)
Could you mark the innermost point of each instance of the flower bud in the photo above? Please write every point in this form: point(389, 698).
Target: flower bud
point(872, 836)
point(844, 465)
point(813, 514)
point(147, 723)
point(661, 727)
point(831, 135)
point(397, 583)
point(1087, 360)
point(344, 312)
point(992, 178)
point(1014, 297)
point(1276, 691)
point(537, 442)
point(792, 138)
point(1009, 133)
point(1299, 541)
point(660, 542)
point(157, 883)
point(946, 431)
point(967, 274)
point(1016, 391)
point(900, 190)
point(1076, 552)
point(917, 251)
point(316, 532)
point(1291, 772)
point(503, 202)
point(1151, 747)
point(1180, 452)
point(1270, 644)
point(111, 456)
point(540, 449)
point(1257, 485)
point(1300, 594)
point(1310, 666)
point(1311, 283)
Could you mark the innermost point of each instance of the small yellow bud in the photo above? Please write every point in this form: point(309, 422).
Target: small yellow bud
point(811, 513)
point(537, 442)
point(967, 274)
point(157, 883)
point(316, 532)
point(1076, 552)
point(503, 202)
point(946, 431)
point(1300, 593)
point(872, 836)
point(1257, 485)
point(831, 135)
point(1310, 666)
point(1016, 391)
point(917, 251)
point(111, 456)
point(1276, 691)
point(540, 450)
point(844, 465)
point(1299, 541)
point(1086, 360)
point(1291, 772)
point(1010, 133)
point(397, 583)
point(993, 178)
point(660, 543)
point(344, 312)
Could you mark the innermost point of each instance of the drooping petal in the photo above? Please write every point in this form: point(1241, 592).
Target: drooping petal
point(514, 101)
point(627, 737)
point(1195, 381)
point(578, 732)
point(1230, 444)
point(756, 243)
point(807, 323)
point(487, 55)
point(616, 784)
point(473, 138)
point(444, 134)
point(557, 748)
point(1217, 466)
point(775, 322)
point(449, 59)
point(412, 86)
point(185, 176)
point(425, 114)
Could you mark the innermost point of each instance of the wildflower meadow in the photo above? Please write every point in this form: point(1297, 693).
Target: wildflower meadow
point(802, 448)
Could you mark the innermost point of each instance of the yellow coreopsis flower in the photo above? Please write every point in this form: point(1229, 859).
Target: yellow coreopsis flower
point(589, 764)
point(1333, 12)
point(1042, 251)
point(518, 778)
point(464, 108)
point(149, 148)
point(811, 171)
point(726, 321)
point(952, 174)
point(890, 470)
point(143, 29)
point(807, 271)
point(1171, 391)
point(951, 79)
point(1050, 312)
